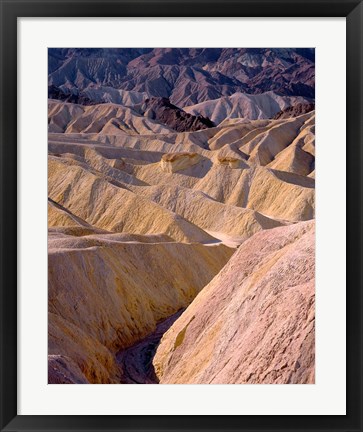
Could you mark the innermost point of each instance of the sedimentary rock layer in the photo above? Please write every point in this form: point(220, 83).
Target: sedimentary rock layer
point(106, 292)
point(254, 322)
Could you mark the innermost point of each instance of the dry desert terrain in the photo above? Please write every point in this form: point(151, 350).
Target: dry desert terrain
point(181, 229)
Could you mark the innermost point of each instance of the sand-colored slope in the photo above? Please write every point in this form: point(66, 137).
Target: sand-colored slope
point(231, 155)
point(231, 180)
point(61, 114)
point(233, 132)
point(220, 181)
point(59, 216)
point(114, 168)
point(254, 322)
point(241, 105)
point(181, 171)
point(67, 237)
point(105, 294)
point(306, 138)
point(246, 131)
point(293, 159)
point(117, 170)
point(106, 206)
point(266, 146)
point(228, 172)
point(281, 196)
point(208, 214)
point(78, 145)
point(276, 195)
point(107, 118)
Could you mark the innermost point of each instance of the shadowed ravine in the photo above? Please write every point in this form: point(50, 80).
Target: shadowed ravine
point(136, 361)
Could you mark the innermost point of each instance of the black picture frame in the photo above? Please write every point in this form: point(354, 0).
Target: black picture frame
point(10, 11)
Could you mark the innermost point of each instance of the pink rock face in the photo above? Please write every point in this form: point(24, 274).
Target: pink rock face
point(254, 322)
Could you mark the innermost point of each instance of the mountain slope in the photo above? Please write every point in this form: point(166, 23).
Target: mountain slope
point(103, 296)
point(242, 105)
point(254, 322)
point(161, 110)
point(106, 206)
point(187, 76)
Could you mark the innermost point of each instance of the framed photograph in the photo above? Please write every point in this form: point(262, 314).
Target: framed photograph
point(181, 215)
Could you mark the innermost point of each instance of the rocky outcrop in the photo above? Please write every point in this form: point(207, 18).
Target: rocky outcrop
point(294, 110)
point(254, 322)
point(173, 162)
point(232, 162)
point(162, 111)
point(63, 370)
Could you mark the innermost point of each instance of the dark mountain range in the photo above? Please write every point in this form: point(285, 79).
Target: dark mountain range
point(67, 95)
point(186, 76)
point(164, 112)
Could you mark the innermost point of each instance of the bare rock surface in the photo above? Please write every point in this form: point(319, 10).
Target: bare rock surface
point(63, 370)
point(161, 110)
point(136, 361)
point(106, 294)
point(295, 110)
point(254, 322)
point(179, 161)
point(107, 118)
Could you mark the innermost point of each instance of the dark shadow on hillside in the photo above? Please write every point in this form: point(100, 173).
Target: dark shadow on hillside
point(136, 362)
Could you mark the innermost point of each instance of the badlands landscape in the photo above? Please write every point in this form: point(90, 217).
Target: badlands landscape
point(181, 205)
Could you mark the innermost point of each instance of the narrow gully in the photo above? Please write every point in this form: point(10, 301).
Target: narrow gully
point(136, 362)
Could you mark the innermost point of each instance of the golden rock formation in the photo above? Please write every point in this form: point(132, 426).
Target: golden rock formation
point(106, 293)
